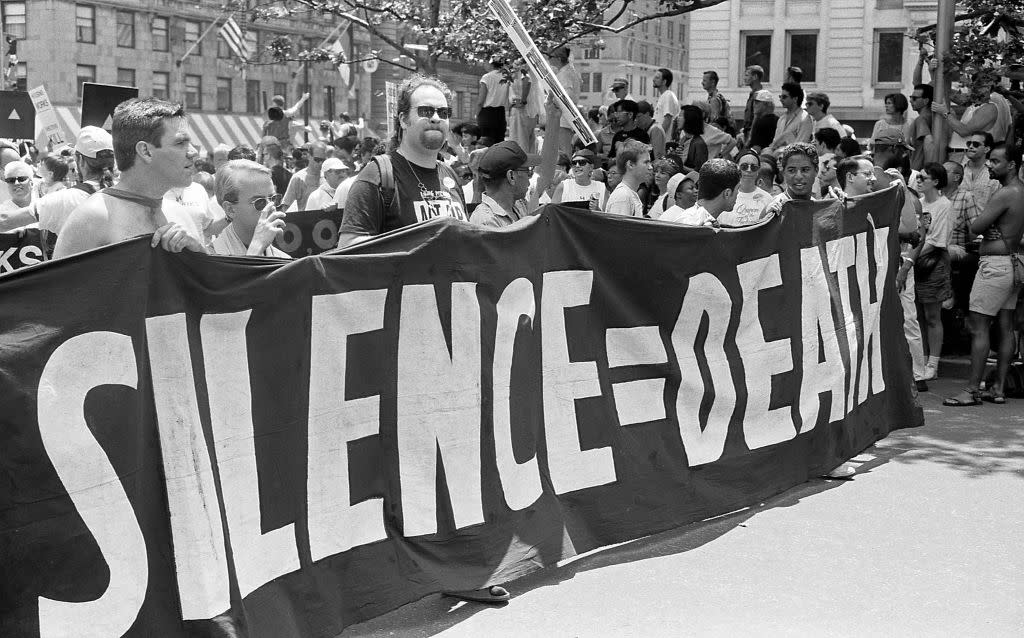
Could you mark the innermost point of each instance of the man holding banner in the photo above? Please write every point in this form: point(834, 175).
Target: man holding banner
point(409, 184)
point(153, 149)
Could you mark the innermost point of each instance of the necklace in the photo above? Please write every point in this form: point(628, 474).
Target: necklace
point(434, 212)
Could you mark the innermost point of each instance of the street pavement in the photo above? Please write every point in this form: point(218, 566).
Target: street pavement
point(926, 540)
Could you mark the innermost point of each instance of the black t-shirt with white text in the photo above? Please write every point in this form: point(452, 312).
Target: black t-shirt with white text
point(439, 196)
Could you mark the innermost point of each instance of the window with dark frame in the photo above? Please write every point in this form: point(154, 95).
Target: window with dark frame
point(161, 85)
point(224, 94)
point(803, 53)
point(194, 91)
point(757, 49)
point(126, 29)
point(85, 23)
point(15, 25)
point(159, 32)
point(84, 73)
point(888, 58)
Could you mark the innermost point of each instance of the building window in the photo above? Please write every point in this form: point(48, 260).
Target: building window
point(592, 52)
point(584, 83)
point(21, 77)
point(643, 27)
point(251, 38)
point(223, 94)
point(126, 77)
point(194, 91)
point(643, 54)
point(888, 53)
point(14, 19)
point(657, 56)
point(161, 85)
point(657, 28)
point(252, 96)
point(757, 49)
point(85, 23)
point(192, 31)
point(85, 73)
point(281, 88)
point(597, 82)
point(671, 28)
point(888, 4)
point(126, 29)
point(803, 52)
point(159, 27)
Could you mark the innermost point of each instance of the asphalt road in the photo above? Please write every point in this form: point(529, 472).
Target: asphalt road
point(926, 540)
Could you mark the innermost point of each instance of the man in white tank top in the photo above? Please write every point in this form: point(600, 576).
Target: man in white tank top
point(579, 187)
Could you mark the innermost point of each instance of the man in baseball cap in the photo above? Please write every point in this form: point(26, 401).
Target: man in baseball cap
point(94, 157)
point(620, 90)
point(506, 169)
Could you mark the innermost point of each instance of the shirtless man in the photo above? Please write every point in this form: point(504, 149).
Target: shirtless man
point(994, 293)
point(153, 149)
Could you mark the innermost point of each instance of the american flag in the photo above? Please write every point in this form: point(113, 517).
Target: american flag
point(232, 35)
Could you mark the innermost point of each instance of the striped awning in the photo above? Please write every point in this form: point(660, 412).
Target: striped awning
point(208, 129)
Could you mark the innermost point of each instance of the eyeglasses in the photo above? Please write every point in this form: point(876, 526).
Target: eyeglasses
point(260, 203)
point(973, 144)
point(443, 112)
point(750, 167)
point(16, 180)
point(580, 163)
point(317, 159)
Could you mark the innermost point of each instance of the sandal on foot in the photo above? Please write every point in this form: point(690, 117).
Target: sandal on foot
point(993, 397)
point(493, 595)
point(966, 398)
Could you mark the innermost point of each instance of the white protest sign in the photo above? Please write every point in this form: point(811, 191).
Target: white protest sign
point(391, 105)
point(540, 67)
point(46, 116)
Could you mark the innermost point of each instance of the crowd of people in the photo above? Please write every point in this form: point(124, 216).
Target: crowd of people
point(698, 163)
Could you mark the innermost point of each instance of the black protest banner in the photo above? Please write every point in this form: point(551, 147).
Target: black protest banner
point(309, 232)
point(100, 100)
point(292, 448)
point(20, 248)
point(17, 115)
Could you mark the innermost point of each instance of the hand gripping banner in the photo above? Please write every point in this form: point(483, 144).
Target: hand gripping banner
point(194, 444)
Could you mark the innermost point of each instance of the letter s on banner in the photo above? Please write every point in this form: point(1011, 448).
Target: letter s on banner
point(76, 367)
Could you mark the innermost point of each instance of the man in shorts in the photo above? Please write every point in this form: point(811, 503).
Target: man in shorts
point(994, 294)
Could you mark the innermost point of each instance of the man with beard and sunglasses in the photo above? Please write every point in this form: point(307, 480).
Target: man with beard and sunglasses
point(408, 184)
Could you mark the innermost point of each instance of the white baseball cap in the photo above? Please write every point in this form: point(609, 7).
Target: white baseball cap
point(92, 140)
point(333, 164)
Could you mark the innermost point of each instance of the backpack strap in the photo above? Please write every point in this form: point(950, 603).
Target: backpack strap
point(387, 179)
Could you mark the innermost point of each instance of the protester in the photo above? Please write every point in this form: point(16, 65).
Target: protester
point(848, 147)
point(681, 191)
point(982, 116)
point(272, 156)
point(795, 125)
point(718, 105)
point(279, 120)
point(931, 267)
point(220, 156)
point(751, 202)
point(305, 181)
point(794, 75)
point(716, 195)
point(244, 151)
point(424, 187)
point(153, 150)
point(663, 170)
point(506, 170)
point(963, 245)
point(52, 173)
point(896, 106)
point(245, 191)
point(668, 104)
point(194, 199)
point(334, 172)
point(624, 112)
point(571, 81)
point(634, 164)
point(799, 164)
point(977, 178)
point(855, 176)
point(751, 77)
point(817, 104)
point(619, 91)
point(719, 143)
point(492, 100)
point(995, 289)
point(920, 131)
point(580, 187)
point(693, 150)
point(523, 109)
point(18, 177)
point(765, 121)
point(646, 121)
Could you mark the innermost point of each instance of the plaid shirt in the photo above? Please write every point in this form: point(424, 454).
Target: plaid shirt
point(964, 210)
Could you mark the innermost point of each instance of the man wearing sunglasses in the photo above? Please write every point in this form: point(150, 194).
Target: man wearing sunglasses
point(153, 148)
point(409, 184)
point(245, 191)
point(307, 180)
point(977, 179)
point(18, 178)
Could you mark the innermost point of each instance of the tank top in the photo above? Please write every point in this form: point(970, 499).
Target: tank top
point(573, 192)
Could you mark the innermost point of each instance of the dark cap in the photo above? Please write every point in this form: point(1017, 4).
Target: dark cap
point(892, 137)
point(585, 153)
point(505, 156)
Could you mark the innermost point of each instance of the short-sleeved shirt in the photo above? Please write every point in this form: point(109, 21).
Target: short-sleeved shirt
point(829, 121)
point(54, 209)
point(497, 89)
point(321, 198)
point(624, 201)
point(942, 221)
point(365, 213)
point(750, 208)
point(636, 133)
point(490, 213)
point(695, 215)
point(668, 104)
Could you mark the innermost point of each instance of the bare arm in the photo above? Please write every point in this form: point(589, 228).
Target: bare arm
point(289, 112)
point(16, 218)
point(982, 120)
point(482, 98)
point(997, 205)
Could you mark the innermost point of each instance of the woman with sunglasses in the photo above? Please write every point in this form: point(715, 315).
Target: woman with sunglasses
point(580, 187)
point(751, 201)
point(18, 177)
point(931, 267)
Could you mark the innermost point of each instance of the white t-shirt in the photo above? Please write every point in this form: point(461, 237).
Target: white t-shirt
point(749, 209)
point(54, 209)
point(942, 221)
point(573, 192)
point(497, 91)
point(194, 199)
point(320, 198)
point(693, 216)
point(624, 201)
point(829, 121)
point(341, 193)
point(668, 104)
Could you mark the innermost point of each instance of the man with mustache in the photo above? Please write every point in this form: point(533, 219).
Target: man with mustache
point(409, 184)
point(153, 149)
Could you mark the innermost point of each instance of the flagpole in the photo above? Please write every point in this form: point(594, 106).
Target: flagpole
point(192, 48)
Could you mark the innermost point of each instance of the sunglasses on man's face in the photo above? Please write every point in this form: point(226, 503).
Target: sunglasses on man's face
point(974, 144)
point(749, 167)
point(16, 180)
point(580, 163)
point(443, 112)
point(317, 159)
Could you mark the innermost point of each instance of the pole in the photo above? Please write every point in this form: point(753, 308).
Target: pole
point(3, 58)
point(943, 39)
point(305, 107)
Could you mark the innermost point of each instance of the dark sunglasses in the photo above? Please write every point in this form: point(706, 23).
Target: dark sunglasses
point(466, 175)
point(973, 144)
point(750, 167)
point(443, 112)
point(260, 203)
point(318, 159)
point(580, 163)
point(16, 180)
